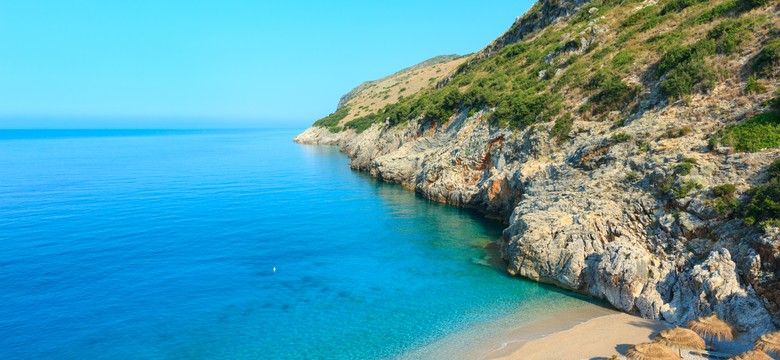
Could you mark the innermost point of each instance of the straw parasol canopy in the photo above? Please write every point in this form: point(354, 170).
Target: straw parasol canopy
point(769, 343)
point(713, 327)
point(651, 351)
point(752, 355)
point(679, 338)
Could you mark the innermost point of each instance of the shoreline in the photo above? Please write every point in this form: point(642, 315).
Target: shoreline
point(584, 332)
point(590, 332)
point(597, 338)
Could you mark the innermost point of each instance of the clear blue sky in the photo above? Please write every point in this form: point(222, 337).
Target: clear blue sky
point(218, 63)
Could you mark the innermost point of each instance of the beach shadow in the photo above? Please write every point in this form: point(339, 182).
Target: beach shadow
point(655, 326)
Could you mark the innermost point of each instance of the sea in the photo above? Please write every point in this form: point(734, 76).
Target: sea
point(235, 244)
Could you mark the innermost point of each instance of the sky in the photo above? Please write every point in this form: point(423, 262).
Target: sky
point(229, 63)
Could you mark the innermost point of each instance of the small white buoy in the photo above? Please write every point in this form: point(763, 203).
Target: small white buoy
point(274, 268)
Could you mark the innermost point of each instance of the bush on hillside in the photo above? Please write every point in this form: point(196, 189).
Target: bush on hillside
point(621, 137)
point(331, 122)
point(767, 59)
point(686, 69)
point(677, 5)
point(763, 204)
point(729, 35)
point(519, 109)
point(758, 133)
point(560, 131)
point(641, 16)
point(623, 60)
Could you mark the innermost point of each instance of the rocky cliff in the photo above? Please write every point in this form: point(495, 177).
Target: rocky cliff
point(619, 141)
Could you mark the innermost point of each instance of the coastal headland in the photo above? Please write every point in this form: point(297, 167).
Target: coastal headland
point(630, 148)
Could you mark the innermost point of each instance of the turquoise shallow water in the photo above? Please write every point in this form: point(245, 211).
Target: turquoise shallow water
point(162, 244)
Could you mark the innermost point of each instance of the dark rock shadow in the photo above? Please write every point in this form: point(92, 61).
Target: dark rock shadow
point(622, 348)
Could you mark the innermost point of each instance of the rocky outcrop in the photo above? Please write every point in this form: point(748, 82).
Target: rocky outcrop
point(544, 13)
point(577, 220)
point(621, 207)
point(322, 136)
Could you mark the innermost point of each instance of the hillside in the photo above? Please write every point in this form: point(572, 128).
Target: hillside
point(372, 96)
point(629, 146)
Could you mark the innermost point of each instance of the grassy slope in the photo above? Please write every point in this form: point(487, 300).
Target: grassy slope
point(606, 63)
point(373, 96)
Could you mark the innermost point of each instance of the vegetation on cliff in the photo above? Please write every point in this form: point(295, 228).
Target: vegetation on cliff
point(623, 137)
point(763, 204)
point(605, 75)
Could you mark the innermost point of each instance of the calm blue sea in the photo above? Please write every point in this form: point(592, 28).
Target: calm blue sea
point(162, 244)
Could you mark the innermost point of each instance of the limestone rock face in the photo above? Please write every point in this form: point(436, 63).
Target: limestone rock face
point(622, 206)
point(322, 136)
point(620, 273)
point(576, 220)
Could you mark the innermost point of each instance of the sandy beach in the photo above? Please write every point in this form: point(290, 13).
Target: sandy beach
point(598, 338)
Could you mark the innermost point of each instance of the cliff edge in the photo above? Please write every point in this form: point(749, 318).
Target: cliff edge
point(630, 147)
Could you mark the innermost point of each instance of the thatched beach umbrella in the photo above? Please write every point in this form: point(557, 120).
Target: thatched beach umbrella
point(752, 355)
point(713, 327)
point(679, 338)
point(769, 343)
point(651, 351)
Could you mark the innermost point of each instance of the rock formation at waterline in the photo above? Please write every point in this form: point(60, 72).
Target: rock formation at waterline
point(619, 141)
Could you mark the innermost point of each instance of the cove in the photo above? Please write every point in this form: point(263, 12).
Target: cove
point(162, 244)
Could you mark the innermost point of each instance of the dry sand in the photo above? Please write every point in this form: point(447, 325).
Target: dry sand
point(588, 331)
point(600, 337)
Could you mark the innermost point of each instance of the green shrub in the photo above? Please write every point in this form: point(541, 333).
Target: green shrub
point(725, 198)
point(664, 185)
point(774, 103)
point(677, 132)
point(683, 169)
point(725, 191)
point(687, 78)
point(623, 60)
point(682, 190)
point(763, 204)
point(632, 176)
point(602, 53)
point(560, 131)
point(519, 109)
point(652, 22)
point(760, 132)
point(677, 5)
point(363, 123)
point(514, 50)
point(753, 87)
point(331, 122)
point(687, 53)
point(767, 59)
point(724, 207)
point(750, 4)
point(773, 171)
point(729, 8)
point(686, 69)
point(621, 137)
point(720, 10)
point(642, 16)
point(613, 93)
point(729, 35)
point(573, 76)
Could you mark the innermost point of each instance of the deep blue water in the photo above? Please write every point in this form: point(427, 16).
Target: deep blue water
point(162, 244)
